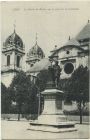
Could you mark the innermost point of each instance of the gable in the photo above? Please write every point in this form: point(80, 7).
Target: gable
point(67, 51)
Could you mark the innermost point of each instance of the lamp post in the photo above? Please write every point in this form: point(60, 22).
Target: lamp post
point(38, 95)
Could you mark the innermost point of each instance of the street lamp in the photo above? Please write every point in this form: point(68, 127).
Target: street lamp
point(39, 96)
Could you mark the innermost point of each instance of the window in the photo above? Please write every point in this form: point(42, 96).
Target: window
point(68, 68)
point(67, 52)
point(31, 65)
point(8, 60)
point(18, 61)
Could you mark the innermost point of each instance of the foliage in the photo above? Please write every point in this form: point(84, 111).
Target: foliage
point(76, 112)
point(77, 88)
point(5, 100)
point(23, 92)
point(78, 85)
point(42, 79)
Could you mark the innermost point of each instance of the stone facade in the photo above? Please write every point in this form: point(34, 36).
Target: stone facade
point(34, 55)
point(12, 56)
point(70, 56)
point(74, 53)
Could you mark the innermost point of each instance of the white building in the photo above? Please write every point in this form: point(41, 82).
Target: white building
point(73, 53)
point(12, 56)
point(70, 56)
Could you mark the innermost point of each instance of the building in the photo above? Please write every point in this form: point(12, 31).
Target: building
point(34, 56)
point(38, 66)
point(12, 56)
point(73, 53)
point(70, 56)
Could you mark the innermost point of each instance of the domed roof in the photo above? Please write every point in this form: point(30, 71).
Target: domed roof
point(84, 33)
point(72, 42)
point(36, 51)
point(14, 40)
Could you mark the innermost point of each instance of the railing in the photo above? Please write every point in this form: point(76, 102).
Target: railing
point(13, 47)
point(10, 67)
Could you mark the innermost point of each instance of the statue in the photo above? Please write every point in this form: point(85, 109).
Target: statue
point(55, 73)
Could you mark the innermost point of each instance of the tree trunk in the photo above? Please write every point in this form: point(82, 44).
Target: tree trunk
point(18, 116)
point(80, 113)
point(19, 112)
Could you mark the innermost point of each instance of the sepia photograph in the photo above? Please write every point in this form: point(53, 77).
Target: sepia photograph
point(45, 70)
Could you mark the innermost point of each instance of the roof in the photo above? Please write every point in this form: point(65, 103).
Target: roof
point(84, 33)
point(65, 46)
point(72, 42)
point(15, 40)
point(41, 65)
point(35, 51)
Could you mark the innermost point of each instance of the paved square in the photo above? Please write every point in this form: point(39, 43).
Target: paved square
point(18, 130)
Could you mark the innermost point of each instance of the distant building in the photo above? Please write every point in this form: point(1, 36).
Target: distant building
point(34, 56)
point(38, 66)
point(70, 56)
point(12, 55)
point(73, 53)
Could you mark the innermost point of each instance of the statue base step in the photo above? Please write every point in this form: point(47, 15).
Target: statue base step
point(53, 128)
point(52, 123)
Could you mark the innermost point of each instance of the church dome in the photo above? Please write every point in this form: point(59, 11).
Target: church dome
point(14, 40)
point(35, 53)
point(36, 50)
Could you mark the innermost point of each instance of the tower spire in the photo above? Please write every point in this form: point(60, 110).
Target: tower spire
point(36, 38)
point(14, 25)
point(69, 37)
point(88, 21)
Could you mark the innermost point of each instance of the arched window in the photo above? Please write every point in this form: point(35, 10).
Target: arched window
point(31, 65)
point(18, 61)
point(8, 60)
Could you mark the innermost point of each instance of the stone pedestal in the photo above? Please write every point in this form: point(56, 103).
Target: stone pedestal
point(52, 119)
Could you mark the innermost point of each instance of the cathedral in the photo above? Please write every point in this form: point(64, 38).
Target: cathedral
point(70, 56)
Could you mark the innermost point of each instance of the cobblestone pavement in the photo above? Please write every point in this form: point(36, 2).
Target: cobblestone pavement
point(19, 130)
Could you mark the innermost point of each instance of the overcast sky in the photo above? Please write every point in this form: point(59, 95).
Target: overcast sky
point(54, 22)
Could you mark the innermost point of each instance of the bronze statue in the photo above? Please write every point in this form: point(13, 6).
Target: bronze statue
point(55, 73)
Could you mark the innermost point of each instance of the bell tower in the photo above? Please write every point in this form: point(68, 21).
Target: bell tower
point(34, 55)
point(12, 56)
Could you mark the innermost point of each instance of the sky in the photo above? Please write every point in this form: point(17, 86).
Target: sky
point(53, 22)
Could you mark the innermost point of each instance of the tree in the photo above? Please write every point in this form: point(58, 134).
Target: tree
point(42, 79)
point(41, 82)
point(77, 88)
point(20, 90)
point(5, 100)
